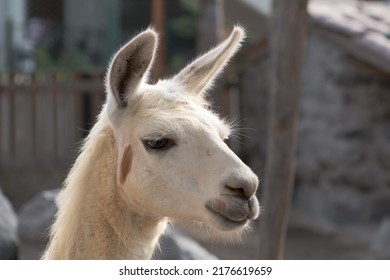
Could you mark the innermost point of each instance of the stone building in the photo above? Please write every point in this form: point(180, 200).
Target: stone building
point(343, 150)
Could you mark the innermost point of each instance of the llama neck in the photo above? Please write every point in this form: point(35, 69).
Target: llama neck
point(93, 221)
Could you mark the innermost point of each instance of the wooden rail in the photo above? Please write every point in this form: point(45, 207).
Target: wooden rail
point(44, 116)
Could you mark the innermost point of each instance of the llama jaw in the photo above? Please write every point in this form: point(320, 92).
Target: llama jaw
point(234, 216)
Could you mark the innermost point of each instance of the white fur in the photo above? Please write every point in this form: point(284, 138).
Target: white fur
point(120, 194)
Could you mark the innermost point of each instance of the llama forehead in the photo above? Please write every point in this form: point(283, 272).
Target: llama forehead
point(159, 124)
point(169, 110)
point(163, 97)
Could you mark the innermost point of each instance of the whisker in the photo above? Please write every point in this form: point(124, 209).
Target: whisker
point(238, 131)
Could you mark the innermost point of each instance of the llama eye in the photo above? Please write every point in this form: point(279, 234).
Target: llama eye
point(159, 144)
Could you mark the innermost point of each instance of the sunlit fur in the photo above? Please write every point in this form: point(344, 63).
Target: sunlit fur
point(120, 195)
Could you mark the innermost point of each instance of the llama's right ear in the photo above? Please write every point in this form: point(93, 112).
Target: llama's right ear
point(130, 66)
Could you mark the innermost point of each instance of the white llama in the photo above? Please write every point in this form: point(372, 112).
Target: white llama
point(156, 153)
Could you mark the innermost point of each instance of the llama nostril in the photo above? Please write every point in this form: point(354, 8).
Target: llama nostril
point(239, 192)
point(242, 188)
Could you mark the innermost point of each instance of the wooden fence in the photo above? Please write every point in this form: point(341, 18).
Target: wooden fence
point(44, 116)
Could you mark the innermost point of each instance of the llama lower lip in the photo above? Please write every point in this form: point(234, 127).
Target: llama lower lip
point(224, 222)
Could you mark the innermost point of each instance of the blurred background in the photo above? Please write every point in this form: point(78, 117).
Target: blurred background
point(53, 57)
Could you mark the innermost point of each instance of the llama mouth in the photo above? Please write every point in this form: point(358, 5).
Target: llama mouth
point(225, 222)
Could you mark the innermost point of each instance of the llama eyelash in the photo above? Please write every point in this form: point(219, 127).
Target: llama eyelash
point(158, 144)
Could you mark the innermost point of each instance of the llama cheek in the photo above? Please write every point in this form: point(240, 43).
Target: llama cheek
point(125, 165)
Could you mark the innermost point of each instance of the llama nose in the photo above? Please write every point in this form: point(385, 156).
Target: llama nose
point(242, 187)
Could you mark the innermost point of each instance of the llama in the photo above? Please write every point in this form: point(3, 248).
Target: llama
point(156, 153)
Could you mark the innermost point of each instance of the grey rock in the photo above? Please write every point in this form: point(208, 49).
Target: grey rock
point(36, 216)
point(386, 131)
point(333, 205)
point(35, 219)
point(381, 240)
point(383, 153)
point(365, 178)
point(175, 245)
point(359, 133)
point(380, 205)
point(8, 230)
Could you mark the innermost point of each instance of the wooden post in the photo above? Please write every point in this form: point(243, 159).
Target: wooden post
point(159, 23)
point(288, 32)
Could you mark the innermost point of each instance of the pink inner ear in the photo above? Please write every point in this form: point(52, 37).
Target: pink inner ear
point(125, 165)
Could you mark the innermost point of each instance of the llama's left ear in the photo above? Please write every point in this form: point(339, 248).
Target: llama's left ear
point(198, 76)
point(130, 66)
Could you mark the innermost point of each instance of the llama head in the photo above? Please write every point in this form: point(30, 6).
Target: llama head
point(172, 159)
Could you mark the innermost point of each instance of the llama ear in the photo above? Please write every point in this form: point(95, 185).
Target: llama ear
point(198, 76)
point(130, 66)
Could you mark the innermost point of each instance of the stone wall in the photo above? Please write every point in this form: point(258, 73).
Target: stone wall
point(343, 151)
point(344, 137)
